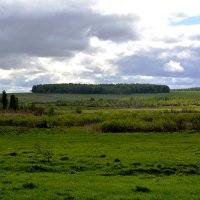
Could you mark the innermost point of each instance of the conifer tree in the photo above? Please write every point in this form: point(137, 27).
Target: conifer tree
point(13, 102)
point(4, 100)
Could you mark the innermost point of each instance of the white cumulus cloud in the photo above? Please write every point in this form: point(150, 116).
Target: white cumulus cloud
point(173, 66)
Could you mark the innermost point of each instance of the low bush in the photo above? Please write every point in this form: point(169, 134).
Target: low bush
point(78, 110)
point(38, 168)
point(13, 154)
point(142, 189)
point(114, 122)
point(29, 185)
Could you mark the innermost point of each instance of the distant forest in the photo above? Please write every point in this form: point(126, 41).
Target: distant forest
point(71, 88)
point(188, 89)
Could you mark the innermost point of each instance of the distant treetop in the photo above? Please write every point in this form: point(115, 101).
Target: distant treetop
point(70, 88)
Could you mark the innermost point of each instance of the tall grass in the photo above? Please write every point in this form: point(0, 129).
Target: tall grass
point(113, 121)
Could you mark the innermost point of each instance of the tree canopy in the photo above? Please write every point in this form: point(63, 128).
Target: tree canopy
point(71, 88)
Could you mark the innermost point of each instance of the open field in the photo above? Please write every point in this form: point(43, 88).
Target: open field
point(86, 165)
point(34, 97)
point(144, 146)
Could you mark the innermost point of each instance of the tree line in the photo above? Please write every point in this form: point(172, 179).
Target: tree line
point(13, 104)
point(188, 89)
point(71, 88)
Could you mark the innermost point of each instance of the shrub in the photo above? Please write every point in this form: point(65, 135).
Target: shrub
point(117, 160)
point(39, 168)
point(43, 124)
point(47, 152)
point(169, 125)
point(181, 123)
point(78, 110)
point(116, 126)
point(147, 118)
point(38, 111)
point(12, 154)
point(196, 122)
point(64, 158)
point(142, 189)
point(51, 112)
point(29, 186)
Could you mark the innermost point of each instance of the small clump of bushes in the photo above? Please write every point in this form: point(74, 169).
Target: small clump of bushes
point(29, 186)
point(142, 189)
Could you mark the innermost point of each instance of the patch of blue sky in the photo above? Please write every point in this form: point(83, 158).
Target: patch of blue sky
point(187, 21)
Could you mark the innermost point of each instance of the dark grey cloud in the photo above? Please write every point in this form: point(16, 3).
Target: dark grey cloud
point(60, 33)
point(119, 31)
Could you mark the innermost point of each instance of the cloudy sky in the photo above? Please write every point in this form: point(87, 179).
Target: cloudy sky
point(99, 41)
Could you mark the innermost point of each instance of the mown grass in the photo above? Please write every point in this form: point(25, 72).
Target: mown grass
point(89, 165)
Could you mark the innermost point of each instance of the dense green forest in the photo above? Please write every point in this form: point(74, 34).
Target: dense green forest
point(100, 88)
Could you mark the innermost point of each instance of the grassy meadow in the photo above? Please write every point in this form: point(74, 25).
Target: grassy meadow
point(144, 146)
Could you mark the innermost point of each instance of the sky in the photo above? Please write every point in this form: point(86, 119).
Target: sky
point(99, 41)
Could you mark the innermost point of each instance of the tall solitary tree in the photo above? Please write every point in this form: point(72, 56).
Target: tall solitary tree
point(4, 100)
point(13, 102)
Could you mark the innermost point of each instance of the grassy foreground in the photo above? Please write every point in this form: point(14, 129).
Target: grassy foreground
point(135, 147)
point(72, 163)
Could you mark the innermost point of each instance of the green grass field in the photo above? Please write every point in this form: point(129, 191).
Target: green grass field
point(34, 97)
point(86, 165)
point(84, 155)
